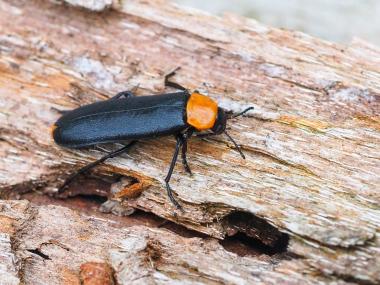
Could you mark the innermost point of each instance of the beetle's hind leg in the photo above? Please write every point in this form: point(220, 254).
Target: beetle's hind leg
point(93, 164)
point(169, 83)
point(170, 172)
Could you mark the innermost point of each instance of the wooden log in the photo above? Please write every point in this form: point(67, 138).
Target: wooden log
point(311, 178)
point(56, 245)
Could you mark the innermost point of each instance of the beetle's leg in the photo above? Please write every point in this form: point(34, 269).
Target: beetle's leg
point(183, 154)
point(169, 83)
point(93, 164)
point(125, 94)
point(185, 138)
point(170, 172)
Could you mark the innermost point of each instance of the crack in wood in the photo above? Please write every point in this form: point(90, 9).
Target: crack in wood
point(38, 252)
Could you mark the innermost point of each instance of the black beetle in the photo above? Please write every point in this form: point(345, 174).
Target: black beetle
point(126, 117)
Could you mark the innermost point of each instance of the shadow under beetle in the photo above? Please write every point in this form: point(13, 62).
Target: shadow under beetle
point(126, 117)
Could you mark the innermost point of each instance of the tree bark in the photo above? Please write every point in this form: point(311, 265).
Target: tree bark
point(309, 185)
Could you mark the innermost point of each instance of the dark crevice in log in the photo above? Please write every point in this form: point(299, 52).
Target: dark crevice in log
point(95, 199)
point(243, 245)
point(89, 184)
point(255, 232)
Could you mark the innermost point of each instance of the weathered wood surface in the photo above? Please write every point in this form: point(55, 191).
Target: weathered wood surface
point(54, 244)
point(312, 143)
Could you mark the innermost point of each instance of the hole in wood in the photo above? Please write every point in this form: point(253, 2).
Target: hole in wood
point(253, 233)
point(91, 185)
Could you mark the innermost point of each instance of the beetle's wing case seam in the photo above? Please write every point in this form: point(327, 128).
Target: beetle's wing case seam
point(122, 111)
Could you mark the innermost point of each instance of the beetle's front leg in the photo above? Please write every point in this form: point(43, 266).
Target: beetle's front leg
point(184, 138)
point(184, 158)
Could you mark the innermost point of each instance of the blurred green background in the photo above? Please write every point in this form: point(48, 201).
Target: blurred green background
point(334, 20)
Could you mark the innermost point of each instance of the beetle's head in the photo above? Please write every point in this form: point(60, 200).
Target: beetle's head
point(221, 123)
point(203, 114)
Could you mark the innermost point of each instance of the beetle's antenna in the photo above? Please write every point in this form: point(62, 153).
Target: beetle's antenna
point(236, 145)
point(242, 112)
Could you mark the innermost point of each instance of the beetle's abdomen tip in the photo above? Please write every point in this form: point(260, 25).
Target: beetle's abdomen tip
point(54, 132)
point(52, 129)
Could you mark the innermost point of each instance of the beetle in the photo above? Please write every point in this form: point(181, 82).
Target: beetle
point(126, 117)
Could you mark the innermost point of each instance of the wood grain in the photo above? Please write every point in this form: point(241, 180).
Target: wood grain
point(312, 142)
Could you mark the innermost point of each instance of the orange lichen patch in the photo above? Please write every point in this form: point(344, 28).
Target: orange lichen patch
point(131, 185)
point(6, 225)
point(96, 273)
point(131, 191)
point(56, 81)
point(201, 111)
point(69, 277)
point(84, 237)
point(311, 125)
point(59, 81)
point(370, 122)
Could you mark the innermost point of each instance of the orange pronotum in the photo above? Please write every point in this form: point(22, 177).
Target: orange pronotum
point(201, 111)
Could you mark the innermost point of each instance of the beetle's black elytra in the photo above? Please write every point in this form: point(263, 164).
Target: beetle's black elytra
point(126, 117)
